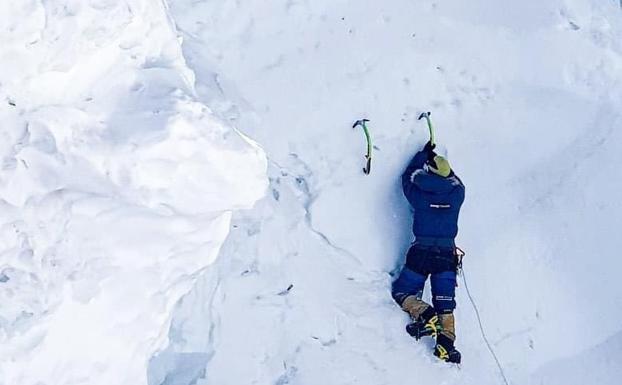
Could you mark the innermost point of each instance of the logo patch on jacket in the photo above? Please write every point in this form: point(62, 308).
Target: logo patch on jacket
point(439, 206)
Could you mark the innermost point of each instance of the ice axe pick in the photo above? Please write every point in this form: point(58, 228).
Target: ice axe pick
point(363, 123)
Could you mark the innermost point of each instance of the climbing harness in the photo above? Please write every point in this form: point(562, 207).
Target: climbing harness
point(363, 123)
point(458, 254)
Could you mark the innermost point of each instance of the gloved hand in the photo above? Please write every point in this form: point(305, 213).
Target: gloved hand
point(429, 149)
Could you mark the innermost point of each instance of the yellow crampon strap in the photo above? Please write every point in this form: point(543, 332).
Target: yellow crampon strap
point(433, 326)
point(442, 353)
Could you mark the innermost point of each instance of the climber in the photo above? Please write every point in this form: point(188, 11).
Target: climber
point(435, 193)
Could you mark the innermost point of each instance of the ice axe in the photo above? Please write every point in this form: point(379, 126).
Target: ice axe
point(363, 123)
point(426, 115)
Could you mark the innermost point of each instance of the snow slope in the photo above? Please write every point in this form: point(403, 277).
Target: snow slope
point(118, 184)
point(116, 188)
point(526, 100)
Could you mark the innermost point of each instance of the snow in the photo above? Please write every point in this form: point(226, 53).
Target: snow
point(122, 171)
point(117, 188)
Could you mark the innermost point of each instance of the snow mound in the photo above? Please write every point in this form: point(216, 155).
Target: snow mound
point(116, 188)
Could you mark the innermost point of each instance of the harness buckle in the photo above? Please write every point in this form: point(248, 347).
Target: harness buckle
point(459, 254)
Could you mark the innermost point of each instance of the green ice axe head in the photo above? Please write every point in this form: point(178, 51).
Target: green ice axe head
point(426, 115)
point(360, 122)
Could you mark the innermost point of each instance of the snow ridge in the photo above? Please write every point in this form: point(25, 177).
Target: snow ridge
point(116, 188)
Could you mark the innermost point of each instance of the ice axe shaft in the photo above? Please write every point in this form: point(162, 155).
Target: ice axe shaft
point(426, 115)
point(363, 123)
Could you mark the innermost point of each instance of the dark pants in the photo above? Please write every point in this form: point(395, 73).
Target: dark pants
point(438, 263)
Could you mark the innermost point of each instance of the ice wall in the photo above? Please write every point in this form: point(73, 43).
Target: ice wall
point(116, 188)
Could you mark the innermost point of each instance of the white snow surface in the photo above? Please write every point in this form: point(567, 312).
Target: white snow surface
point(121, 170)
point(117, 186)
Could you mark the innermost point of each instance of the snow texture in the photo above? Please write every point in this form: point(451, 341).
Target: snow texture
point(116, 188)
point(118, 183)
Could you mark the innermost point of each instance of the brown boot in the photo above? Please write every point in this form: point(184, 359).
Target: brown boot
point(448, 325)
point(426, 325)
point(445, 349)
point(414, 306)
point(425, 321)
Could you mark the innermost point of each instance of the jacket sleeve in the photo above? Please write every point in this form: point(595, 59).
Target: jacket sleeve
point(462, 192)
point(459, 192)
point(415, 164)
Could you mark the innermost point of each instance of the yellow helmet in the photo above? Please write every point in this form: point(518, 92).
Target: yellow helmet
point(440, 166)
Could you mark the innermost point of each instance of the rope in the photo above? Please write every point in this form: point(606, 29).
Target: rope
point(481, 328)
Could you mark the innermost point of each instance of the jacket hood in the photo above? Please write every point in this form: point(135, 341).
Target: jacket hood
point(435, 183)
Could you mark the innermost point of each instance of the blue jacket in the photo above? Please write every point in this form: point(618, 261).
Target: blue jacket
point(436, 201)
